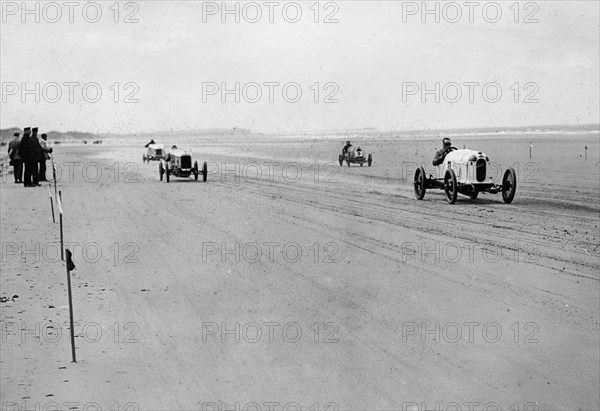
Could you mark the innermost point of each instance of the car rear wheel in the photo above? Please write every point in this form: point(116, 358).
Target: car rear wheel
point(509, 185)
point(196, 170)
point(369, 160)
point(450, 186)
point(167, 173)
point(204, 172)
point(161, 170)
point(419, 183)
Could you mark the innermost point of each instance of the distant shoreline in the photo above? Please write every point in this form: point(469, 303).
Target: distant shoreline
point(242, 134)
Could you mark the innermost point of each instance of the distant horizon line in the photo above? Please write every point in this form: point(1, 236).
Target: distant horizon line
point(243, 130)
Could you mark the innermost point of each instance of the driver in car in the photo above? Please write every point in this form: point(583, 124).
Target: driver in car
point(441, 154)
point(168, 156)
point(346, 147)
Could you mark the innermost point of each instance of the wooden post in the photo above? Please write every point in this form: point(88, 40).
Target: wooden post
point(71, 266)
point(51, 202)
point(54, 175)
point(60, 217)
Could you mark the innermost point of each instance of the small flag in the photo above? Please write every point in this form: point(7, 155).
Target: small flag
point(70, 263)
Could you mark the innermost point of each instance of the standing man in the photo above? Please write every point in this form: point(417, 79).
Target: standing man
point(29, 154)
point(38, 155)
point(15, 158)
point(25, 153)
point(45, 156)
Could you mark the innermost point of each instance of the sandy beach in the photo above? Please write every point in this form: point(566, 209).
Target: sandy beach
point(289, 282)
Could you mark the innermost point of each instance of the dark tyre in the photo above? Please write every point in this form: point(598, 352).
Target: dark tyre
point(204, 172)
point(161, 170)
point(341, 159)
point(369, 160)
point(348, 161)
point(450, 186)
point(195, 170)
point(167, 174)
point(509, 185)
point(419, 183)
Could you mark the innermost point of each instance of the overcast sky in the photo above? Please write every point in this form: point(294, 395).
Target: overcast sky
point(168, 57)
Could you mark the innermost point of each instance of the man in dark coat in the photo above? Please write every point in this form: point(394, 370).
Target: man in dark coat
point(38, 155)
point(45, 156)
point(15, 158)
point(441, 153)
point(346, 147)
point(30, 150)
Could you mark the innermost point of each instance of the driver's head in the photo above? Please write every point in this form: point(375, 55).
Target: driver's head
point(447, 142)
point(348, 142)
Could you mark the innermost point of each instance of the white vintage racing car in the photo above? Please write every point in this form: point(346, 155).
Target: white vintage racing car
point(355, 155)
point(178, 163)
point(465, 172)
point(154, 152)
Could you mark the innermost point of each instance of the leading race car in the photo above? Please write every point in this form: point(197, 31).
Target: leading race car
point(465, 172)
point(355, 155)
point(178, 163)
point(154, 152)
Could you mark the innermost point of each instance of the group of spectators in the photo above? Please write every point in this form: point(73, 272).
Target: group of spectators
point(31, 152)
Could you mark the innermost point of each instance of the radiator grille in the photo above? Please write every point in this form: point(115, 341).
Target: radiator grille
point(480, 170)
point(186, 162)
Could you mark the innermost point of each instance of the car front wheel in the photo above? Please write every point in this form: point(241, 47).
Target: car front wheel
point(419, 183)
point(509, 185)
point(450, 186)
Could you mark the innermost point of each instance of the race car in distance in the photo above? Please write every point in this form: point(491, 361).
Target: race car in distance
point(465, 172)
point(154, 152)
point(355, 155)
point(178, 163)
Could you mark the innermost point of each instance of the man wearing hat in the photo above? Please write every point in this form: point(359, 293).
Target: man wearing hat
point(45, 156)
point(15, 157)
point(441, 154)
point(28, 149)
point(38, 154)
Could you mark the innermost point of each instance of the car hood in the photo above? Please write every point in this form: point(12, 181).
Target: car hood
point(463, 156)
